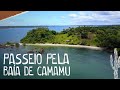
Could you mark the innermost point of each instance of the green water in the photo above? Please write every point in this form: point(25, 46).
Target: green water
point(84, 63)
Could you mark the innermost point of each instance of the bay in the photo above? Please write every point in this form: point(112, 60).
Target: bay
point(84, 63)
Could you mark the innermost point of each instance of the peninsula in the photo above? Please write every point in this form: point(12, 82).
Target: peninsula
point(96, 37)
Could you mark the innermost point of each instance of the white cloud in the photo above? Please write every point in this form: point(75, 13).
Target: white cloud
point(108, 12)
point(73, 15)
point(103, 12)
point(96, 17)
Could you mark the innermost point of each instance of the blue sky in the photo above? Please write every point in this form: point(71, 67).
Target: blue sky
point(63, 18)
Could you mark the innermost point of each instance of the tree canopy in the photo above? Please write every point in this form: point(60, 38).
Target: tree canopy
point(102, 36)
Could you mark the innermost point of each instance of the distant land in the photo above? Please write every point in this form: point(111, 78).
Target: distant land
point(54, 25)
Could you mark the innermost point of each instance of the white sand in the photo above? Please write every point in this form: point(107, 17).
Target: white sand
point(65, 45)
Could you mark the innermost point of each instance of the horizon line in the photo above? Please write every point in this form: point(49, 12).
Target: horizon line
point(62, 25)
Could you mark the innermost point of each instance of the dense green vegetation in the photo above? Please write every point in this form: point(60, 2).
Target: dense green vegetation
point(102, 36)
point(9, 43)
point(40, 35)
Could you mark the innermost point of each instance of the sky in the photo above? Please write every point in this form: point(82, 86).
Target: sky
point(63, 18)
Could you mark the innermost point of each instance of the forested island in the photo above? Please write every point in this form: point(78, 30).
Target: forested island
point(101, 36)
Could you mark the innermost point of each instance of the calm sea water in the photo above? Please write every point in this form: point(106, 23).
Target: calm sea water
point(16, 34)
point(84, 63)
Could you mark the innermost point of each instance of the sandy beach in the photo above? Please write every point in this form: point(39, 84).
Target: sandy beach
point(65, 45)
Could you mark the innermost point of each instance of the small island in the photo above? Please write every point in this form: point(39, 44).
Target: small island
point(39, 40)
point(91, 37)
point(107, 37)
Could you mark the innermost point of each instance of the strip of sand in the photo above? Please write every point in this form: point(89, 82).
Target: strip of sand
point(66, 45)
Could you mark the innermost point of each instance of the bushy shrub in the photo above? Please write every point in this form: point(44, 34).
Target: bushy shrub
point(84, 42)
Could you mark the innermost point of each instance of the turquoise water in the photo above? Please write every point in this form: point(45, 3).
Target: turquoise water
point(84, 63)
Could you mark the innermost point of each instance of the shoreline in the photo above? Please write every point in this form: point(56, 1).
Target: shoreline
point(66, 45)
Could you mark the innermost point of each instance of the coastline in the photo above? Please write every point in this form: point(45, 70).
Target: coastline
point(66, 45)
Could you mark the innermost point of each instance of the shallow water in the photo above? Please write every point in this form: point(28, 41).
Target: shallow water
point(84, 63)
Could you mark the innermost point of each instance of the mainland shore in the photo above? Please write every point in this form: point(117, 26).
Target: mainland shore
point(66, 45)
